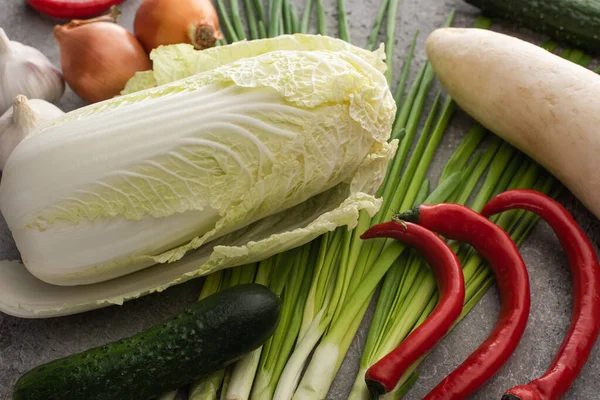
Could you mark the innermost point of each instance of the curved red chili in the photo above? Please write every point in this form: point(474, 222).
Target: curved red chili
point(585, 320)
point(384, 375)
point(69, 9)
point(461, 223)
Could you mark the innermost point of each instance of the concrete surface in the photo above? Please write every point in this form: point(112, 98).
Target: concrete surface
point(26, 343)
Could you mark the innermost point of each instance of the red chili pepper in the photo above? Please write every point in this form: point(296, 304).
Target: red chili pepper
point(461, 223)
point(69, 9)
point(585, 320)
point(384, 375)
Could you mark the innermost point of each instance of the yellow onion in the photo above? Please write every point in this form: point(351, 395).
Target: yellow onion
point(163, 22)
point(98, 57)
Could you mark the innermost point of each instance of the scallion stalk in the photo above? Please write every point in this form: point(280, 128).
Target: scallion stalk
point(343, 21)
point(293, 277)
point(305, 22)
point(321, 19)
point(295, 20)
point(550, 45)
point(288, 27)
point(372, 41)
point(334, 345)
point(405, 71)
point(275, 9)
point(229, 30)
point(392, 14)
point(237, 22)
point(260, 13)
point(252, 21)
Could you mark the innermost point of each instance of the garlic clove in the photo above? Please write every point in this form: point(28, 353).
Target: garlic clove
point(23, 115)
point(4, 43)
point(25, 70)
point(24, 118)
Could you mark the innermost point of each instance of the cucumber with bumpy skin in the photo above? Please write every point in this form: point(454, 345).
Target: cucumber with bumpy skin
point(204, 338)
point(576, 22)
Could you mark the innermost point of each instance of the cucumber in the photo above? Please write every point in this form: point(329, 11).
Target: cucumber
point(204, 338)
point(575, 22)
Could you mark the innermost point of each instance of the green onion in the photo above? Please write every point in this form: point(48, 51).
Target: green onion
point(260, 13)
point(262, 30)
point(292, 279)
point(392, 14)
point(295, 20)
point(306, 16)
point(405, 70)
point(410, 121)
point(343, 22)
point(321, 19)
point(237, 22)
point(377, 25)
point(458, 159)
point(550, 45)
point(334, 345)
point(576, 56)
point(407, 301)
point(327, 292)
point(404, 195)
point(483, 23)
point(276, 9)
point(288, 27)
point(252, 22)
point(403, 112)
point(230, 32)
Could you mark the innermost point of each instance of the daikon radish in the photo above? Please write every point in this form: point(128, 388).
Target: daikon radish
point(544, 105)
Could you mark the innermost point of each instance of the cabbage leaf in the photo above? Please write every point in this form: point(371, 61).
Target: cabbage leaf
point(241, 152)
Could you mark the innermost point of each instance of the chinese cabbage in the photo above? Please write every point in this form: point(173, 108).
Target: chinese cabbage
point(245, 158)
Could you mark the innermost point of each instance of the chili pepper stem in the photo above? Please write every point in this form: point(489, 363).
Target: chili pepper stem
point(411, 215)
point(376, 389)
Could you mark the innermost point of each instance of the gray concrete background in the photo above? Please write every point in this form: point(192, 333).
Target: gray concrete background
point(27, 343)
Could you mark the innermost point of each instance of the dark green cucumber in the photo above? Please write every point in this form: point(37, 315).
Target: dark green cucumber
point(204, 338)
point(575, 22)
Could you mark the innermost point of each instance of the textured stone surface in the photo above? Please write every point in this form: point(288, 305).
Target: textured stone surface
point(26, 343)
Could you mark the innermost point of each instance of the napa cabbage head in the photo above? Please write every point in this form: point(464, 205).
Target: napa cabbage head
point(211, 160)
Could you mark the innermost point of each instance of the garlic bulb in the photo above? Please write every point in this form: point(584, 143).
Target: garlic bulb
point(21, 120)
point(25, 70)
